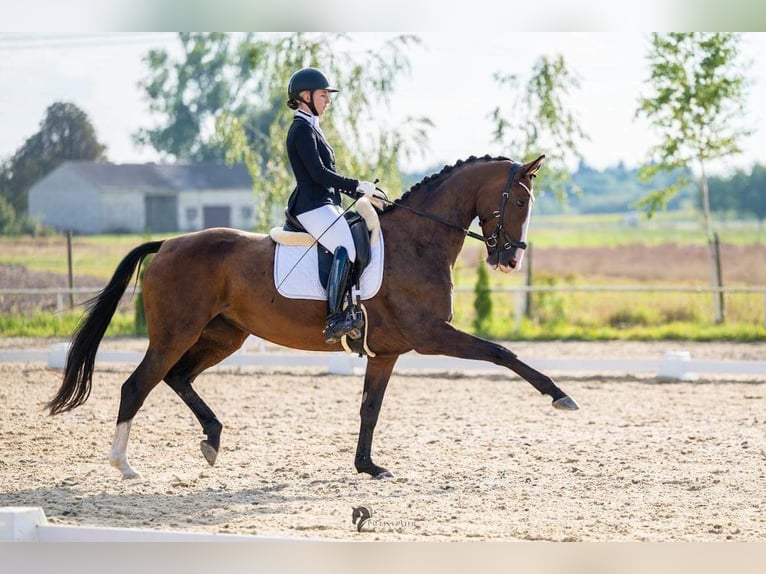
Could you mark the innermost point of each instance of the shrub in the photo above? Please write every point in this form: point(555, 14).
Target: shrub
point(680, 315)
point(140, 328)
point(548, 307)
point(482, 302)
point(629, 318)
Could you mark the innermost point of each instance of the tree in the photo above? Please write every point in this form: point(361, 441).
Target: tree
point(695, 101)
point(224, 99)
point(65, 134)
point(187, 93)
point(540, 121)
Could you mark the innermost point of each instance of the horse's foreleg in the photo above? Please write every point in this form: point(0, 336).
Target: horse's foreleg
point(444, 339)
point(375, 382)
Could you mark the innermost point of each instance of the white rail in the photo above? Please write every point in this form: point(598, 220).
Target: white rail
point(676, 364)
point(29, 524)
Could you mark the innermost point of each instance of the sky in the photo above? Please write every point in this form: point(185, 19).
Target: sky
point(451, 82)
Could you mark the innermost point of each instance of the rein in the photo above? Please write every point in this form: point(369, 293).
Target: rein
point(491, 241)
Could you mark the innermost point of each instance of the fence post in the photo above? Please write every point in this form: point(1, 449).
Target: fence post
point(720, 310)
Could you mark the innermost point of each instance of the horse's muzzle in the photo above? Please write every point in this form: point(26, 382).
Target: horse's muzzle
point(506, 260)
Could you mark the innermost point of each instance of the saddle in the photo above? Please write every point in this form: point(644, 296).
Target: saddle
point(365, 230)
point(359, 232)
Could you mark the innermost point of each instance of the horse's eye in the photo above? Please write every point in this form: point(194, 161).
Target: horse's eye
point(520, 202)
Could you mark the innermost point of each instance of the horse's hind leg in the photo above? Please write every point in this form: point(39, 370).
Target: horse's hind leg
point(219, 340)
point(149, 372)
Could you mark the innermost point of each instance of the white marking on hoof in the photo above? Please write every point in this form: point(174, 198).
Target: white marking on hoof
point(208, 452)
point(118, 456)
point(384, 474)
point(566, 403)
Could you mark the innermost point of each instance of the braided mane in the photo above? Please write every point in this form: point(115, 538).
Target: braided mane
point(429, 180)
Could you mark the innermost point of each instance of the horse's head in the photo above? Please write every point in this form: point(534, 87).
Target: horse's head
point(503, 208)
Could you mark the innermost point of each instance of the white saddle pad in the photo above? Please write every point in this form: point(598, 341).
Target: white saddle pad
point(298, 278)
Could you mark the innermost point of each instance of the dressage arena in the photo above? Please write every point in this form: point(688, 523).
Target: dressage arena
point(476, 455)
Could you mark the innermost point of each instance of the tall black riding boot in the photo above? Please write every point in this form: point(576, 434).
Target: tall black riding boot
point(339, 322)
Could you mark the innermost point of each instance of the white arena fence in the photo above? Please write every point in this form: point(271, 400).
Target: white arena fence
point(672, 365)
point(29, 524)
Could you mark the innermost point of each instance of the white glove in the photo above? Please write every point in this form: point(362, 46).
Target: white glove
point(368, 189)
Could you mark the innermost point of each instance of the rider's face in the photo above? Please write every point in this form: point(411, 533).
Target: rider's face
point(321, 101)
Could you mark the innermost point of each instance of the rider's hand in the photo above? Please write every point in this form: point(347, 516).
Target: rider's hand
point(368, 189)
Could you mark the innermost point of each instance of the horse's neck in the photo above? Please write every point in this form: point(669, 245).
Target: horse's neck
point(453, 201)
point(449, 203)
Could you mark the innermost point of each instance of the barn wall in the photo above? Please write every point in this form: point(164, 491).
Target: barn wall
point(66, 202)
point(122, 211)
point(191, 206)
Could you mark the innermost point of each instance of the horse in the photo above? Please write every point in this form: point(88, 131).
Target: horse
point(205, 292)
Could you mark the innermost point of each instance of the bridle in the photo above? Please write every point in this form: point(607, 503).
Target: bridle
point(492, 241)
point(499, 232)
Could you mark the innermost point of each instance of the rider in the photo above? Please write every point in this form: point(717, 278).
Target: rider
point(315, 202)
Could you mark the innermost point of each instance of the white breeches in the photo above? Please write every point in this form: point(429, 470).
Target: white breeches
point(319, 222)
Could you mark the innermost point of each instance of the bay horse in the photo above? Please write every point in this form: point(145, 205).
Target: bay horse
point(205, 292)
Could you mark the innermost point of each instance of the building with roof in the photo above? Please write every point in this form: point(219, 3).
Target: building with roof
point(89, 197)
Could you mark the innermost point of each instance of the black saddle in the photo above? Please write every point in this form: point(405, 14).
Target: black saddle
point(361, 236)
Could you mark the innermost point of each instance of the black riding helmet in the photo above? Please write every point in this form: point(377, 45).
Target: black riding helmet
point(306, 79)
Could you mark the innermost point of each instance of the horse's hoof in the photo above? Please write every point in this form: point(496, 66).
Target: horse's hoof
point(124, 467)
point(384, 474)
point(566, 403)
point(208, 452)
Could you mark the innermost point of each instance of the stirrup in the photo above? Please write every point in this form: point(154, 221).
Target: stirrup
point(343, 323)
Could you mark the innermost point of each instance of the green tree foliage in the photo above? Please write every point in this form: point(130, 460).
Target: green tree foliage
point(538, 120)
point(7, 217)
point(742, 194)
point(187, 91)
point(65, 134)
point(12, 223)
point(224, 98)
point(482, 303)
point(695, 101)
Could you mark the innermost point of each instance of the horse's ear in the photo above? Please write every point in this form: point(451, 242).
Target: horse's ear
point(533, 167)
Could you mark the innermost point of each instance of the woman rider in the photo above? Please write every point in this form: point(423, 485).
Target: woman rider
point(315, 202)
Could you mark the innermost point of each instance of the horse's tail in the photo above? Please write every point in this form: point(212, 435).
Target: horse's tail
point(81, 359)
